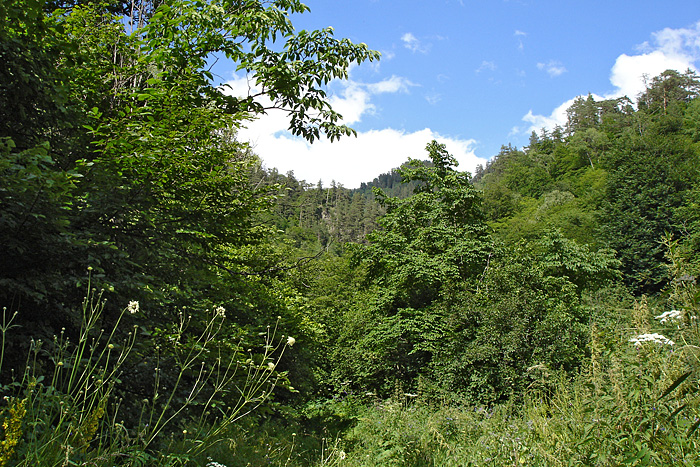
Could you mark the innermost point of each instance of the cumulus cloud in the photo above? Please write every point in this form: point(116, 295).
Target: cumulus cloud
point(351, 160)
point(553, 68)
point(354, 100)
point(557, 117)
point(683, 42)
point(629, 72)
point(412, 43)
point(352, 103)
point(675, 49)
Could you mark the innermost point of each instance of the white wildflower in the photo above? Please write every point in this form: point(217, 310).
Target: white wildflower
point(270, 366)
point(220, 311)
point(655, 338)
point(342, 455)
point(290, 341)
point(133, 307)
point(673, 315)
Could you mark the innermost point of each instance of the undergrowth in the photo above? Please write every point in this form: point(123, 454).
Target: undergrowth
point(65, 406)
point(635, 401)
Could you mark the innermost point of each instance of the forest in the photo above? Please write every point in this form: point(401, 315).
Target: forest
point(167, 300)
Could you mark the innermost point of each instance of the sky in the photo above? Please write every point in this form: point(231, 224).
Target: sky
point(471, 74)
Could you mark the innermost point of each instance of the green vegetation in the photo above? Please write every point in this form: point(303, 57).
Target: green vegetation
point(167, 301)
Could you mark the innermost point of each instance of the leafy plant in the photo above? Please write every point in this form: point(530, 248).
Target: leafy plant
point(427, 245)
point(69, 411)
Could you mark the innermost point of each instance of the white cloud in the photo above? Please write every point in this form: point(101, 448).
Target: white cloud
point(520, 34)
point(629, 72)
point(387, 55)
point(553, 68)
point(409, 41)
point(558, 117)
point(676, 49)
point(486, 66)
point(393, 84)
point(353, 102)
point(683, 42)
point(412, 43)
point(433, 98)
point(351, 160)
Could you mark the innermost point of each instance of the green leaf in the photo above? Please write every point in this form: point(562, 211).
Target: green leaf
point(675, 384)
point(677, 411)
point(644, 452)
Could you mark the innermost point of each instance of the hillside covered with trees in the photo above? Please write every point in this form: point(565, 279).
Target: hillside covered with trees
point(168, 300)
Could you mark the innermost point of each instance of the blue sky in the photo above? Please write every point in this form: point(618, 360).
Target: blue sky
point(473, 74)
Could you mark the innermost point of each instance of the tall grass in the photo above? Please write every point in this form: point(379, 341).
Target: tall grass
point(62, 408)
